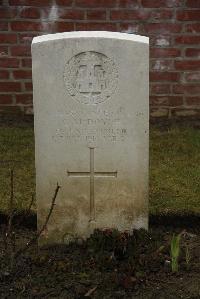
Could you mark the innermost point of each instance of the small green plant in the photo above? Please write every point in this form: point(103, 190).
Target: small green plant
point(175, 252)
point(187, 256)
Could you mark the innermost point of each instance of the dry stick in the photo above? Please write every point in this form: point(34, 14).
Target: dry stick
point(12, 249)
point(34, 239)
point(31, 203)
point(10, 216)
point(10, 204)
point(5, 241)
point(9, 234)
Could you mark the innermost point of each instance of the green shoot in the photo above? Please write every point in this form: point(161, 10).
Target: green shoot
point(175, 252)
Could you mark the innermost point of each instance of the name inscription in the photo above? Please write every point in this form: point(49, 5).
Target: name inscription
point(100, 126)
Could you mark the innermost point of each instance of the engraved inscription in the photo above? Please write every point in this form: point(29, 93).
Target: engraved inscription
point(101, 125)
point(90, 77)
point(92, 174)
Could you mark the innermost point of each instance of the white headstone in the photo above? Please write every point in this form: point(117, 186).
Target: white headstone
point(91, 132)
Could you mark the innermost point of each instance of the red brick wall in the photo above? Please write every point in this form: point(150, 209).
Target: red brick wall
point(172, 25)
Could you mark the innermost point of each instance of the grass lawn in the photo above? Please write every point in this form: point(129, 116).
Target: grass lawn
point(174, 169)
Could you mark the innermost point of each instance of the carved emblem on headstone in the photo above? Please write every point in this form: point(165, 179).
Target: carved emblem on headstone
point(90, 77)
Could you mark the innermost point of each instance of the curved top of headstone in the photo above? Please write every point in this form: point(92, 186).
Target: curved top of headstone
point(91, 34)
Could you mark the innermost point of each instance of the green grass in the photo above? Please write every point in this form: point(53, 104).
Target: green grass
point(174, 169)
point(17, 144)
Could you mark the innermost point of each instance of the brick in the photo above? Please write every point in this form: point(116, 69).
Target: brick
point(25, 99)
point(26, 26)
point(71, 14)
point(63, 26)
point(96, 15)
point(22, 74)
point(3, 51)
point(161, 40)
point(27, 62)
point(129, 3)
point(48, 27)
point(162, 65)
point(193, 3)
point(192, 52)
point(6, 13)
point(161, 3)
point(4, 74)
point(161, 15)
point(192, 76)
point(10, 86)
point(186, 113)
point(3, 26)
point(159, 112)
point(5, 99)
point(193, 100)
point(186, 89)
point(166, 100)
point(160, 89)
point(64, 2)
point(159, 100)
point(188, 15)
point(30, 2)
point(188, 39)
point(7, 38)
point(129, 28)
point(11, 110)
point(96, 26)
point(28, 110)
point(30, 13)
point(95, 3)
point(175, 101)
point(166, 52)
point(21, 50)
point(128, 15)
point(9, 62)
point(162, 28)
point(164, 76)
point(28, 86)
point(62, 13)
point(187, 65)
point(194, 28)
point(26, 38)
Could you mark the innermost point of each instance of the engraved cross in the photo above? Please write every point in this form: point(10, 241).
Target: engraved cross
point(92, 174)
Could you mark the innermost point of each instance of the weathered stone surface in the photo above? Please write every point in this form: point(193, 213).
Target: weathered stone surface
point(91, 131)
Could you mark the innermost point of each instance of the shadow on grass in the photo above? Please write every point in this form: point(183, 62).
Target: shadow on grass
point(169, 220)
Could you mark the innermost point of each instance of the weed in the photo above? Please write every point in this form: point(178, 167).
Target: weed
point(175, 251)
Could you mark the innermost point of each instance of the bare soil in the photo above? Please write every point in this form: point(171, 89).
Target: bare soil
point(107, 265)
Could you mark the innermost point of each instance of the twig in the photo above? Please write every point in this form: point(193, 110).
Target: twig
point(5, 241)
point(90, 292)
point(9, 237)
point(31, 203)
point(10, 204)
point(12, 249)
point(36, 237)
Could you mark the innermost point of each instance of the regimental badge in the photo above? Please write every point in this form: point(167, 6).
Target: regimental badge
point(90, 77)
